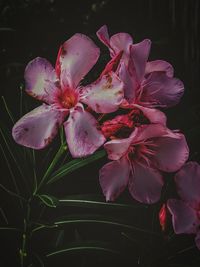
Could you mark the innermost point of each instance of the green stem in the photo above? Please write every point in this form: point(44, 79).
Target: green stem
point(34, 174)
point(23, 251)
point(58, 155)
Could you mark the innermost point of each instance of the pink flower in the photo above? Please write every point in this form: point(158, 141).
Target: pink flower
point(138, 160)
point(150, 84)
point(63, 95)
point(186, 211)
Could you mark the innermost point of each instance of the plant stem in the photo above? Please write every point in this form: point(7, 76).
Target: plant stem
point(23, 251)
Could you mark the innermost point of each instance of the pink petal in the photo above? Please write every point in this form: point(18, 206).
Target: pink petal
point(41, 79)
point(197, 240)
point(184, 218)
point(149, 131)
point(139, 56)
point(161, 90)
point(105, 95)
point(117, 148)
point(113, 178)
point(154, 115)
point(103, 35)
point(188, 183)
point(37, 128)
point(170, 153)
point(82, 135)
point(145, 183)
point(78, 55)
point(159, 65)
point(130, 84)
point(121, 42)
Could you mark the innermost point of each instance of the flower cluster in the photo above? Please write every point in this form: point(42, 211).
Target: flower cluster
point(121, 110)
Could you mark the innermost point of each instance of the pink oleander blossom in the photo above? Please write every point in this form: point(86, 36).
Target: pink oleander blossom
point(137, 162)
point(64, 96)
point(150, 84)
point(186, 210)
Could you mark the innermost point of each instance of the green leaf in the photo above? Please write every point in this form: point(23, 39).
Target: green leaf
point(6, 29)
point(96, 219)
point(102, 221)
point(74, 165)
point(48, 200)
point(95, 201)
point(12, 193)
point(8, 110)
point(14, 155)
point(86, 246)
point(10, 229)
point(58, 155)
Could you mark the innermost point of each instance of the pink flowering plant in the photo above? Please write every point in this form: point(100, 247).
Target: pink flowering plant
point(120, 117)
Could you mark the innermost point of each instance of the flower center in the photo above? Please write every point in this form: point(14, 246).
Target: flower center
point(67, 98)
point(122, 126)
point(142, 151)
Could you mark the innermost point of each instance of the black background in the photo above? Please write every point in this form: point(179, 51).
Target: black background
point(37, 28)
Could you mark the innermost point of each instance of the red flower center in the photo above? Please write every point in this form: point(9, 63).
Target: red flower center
point(122, 126)
point(67, 98)
point(143, 150)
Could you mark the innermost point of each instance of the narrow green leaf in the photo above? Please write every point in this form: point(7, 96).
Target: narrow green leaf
point(95, 201)
point(10, 150)
point(41, 263)
point(43, 226)
point(12, 193)
point(85, 246)
point(48, 200)
point(74, 165)
point(6, 29)
point(4, 215)
point(59, 153)
point(8, 110)
point(103, 221)
point(10, 229)
point(62, 135)
point(12, 176)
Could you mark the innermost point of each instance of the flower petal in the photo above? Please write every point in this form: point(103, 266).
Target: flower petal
point(170, 153)
point(149, 131)
point(41, 79)
point(78, 55)
point(197, 240)
point(113, 178)
point(139, 56)
point(154, 115)
point(121, 42)
point(188, 183)
point(161, 90)
point(117, 148)
point(145, 183)
point(105, 95)
point(103, 35)
point(130, 84)
point(82, 135)
point(159, 65)
point(184, 218)
point(37, 128)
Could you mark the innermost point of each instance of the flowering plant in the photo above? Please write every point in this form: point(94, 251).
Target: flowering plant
point(121, 115)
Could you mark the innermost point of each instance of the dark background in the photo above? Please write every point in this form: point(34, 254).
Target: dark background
point(37, 28)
